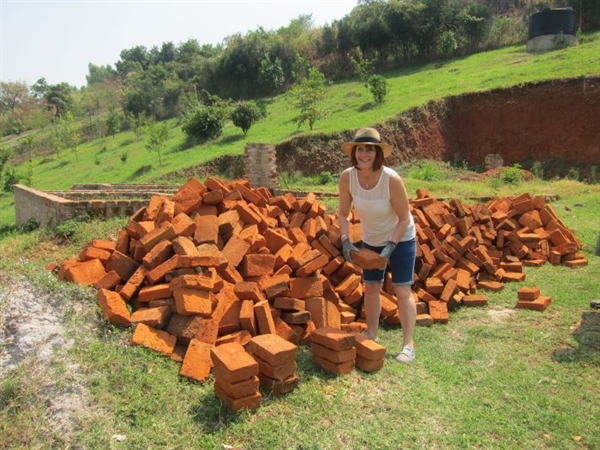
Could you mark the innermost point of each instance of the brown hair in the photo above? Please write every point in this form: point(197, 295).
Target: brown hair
point(378, 157)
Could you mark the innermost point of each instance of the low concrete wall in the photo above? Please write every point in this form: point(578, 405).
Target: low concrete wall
point(50, 208)
point(550, 42)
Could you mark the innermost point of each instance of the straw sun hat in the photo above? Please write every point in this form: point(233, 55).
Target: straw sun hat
point(367, 136)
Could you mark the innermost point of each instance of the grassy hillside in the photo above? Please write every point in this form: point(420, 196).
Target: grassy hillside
point(351, 107)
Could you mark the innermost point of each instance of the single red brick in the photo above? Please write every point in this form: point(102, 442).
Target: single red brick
point(113, 307)
point(528, 293)
point(153, 317)
point(333, 338)
point(197, 361)
point(264, 318)
point(279, 387)
point(328, 366)
point(232, 363)
point(86, 273)
point(334, 356)
point(369, 349)
point(368, 365)
point(154, 339)
point(272, 348)
point(252, 401)
point(240, 389)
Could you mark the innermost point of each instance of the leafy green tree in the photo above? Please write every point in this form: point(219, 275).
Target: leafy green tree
point(378, 87)
point(271, 74)
point(12, 94)
point(307, 96)
point(10, 179)
point(362, 67)
point(113, 121)
point(70, 134)
point(98, 74)
point(206, 122)
point(59, 98)
point(245, 114)
point(158, 134)
point(5, 155)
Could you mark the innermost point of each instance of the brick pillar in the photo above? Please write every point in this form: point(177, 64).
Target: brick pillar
point(260, 166)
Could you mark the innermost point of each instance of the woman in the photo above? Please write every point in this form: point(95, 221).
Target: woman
point(379, 196)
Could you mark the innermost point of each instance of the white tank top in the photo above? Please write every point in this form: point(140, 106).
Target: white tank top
point(377, 217)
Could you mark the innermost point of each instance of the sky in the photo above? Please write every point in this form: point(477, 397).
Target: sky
point(57, 39)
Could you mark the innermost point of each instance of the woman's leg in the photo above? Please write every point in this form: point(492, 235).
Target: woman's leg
point(408, 312)
point(372, 307)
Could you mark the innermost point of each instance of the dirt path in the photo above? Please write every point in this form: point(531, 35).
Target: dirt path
point(34, 342)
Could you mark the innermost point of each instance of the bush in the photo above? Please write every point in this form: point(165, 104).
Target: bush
point(206, 122)
point(10, 179)
point(325, 178)
point(512, 175)
point(378, 87)
point(245, 114)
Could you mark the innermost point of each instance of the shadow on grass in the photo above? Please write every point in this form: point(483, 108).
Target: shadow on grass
point(230, 139)
point(141, 171)
point(587, 335)
point(366, 107)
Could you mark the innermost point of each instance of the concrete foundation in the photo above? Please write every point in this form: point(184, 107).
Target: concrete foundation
point(550, 42)
point(50, 208)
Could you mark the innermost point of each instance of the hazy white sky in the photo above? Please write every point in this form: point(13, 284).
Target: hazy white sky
point(56, 39)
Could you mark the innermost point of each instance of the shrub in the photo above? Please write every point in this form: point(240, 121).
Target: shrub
point(325, 178)
point(512, 175)
point(245, 114)
point(378, 87)
point(206, 122)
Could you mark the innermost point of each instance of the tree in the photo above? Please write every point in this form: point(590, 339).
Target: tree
point(113, 121)
point(158, 133)
point(245, 114)
point(12, 94)
point(362, 67)
point(206, 122)
point(98, 74)
point(307, 96)
point(271, 74)
point(378, 87)
point(70, 133)
point(58, 98)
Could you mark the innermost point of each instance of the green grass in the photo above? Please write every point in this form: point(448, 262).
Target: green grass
point(482, 381)
point(529, 380)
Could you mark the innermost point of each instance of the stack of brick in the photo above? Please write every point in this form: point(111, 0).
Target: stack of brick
point(236, 377)
point(369, 354)
point(463, 248)
point(333, 350)
point(276, 358)
point(530, 298)
point(220, 262)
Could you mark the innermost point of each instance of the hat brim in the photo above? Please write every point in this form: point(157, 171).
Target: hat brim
point(385, 148)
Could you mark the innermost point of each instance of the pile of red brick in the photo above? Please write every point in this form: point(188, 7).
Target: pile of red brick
point(221, 262)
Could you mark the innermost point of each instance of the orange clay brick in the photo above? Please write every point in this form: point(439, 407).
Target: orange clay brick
point(333, 338)
point(193, 302)
point(197, 362)
point(328, 366)
point(368, 259)
point(86, 273)
point(475, 300)
point(113, 307)
point(439, 311)
point(232, 363)
point(264, 318)
point(154, 339)
point(240, 389)
point(539, 304)
point(528, 293)
point(153, 317)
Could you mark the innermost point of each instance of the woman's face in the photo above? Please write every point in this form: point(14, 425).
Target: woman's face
point(365, 155)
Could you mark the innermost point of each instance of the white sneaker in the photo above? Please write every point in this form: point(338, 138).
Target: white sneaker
point(407, 355)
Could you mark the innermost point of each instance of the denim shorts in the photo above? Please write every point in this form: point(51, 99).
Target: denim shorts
point(402, 264)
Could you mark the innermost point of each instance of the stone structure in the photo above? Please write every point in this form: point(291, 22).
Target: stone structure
point(50, 208)
point(261, 165)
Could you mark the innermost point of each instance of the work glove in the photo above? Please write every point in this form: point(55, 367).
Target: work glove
point(348, 247)
point(387, 250)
